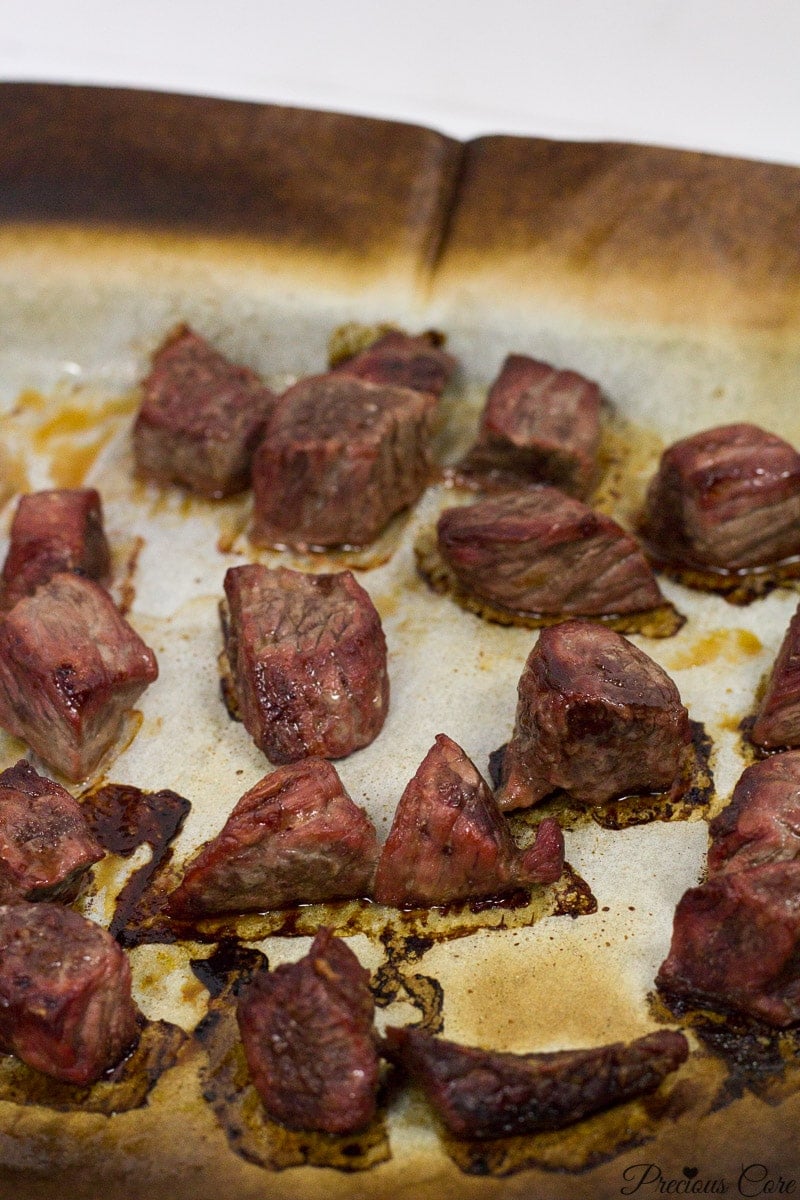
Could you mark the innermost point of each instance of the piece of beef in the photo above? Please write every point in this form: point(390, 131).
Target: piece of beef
point(596, 717)
point(762, 822)
point(728, 497)
point(59, 530)
point(539, 423)
point(308, 1035)
point(403, 360)
point(65, 992)
point(450, 842)
point(736, 943)
point(339, 458)
point(540, 551)
point(487, 1094)
point(70, 668)
point(777, 723)
point(200, 419)
point(46, 846)
point(307, 659)
point(294, 838)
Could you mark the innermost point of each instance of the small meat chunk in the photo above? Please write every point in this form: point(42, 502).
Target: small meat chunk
point(540, 423)
point(65, 993)
point(70, 668)
point(736, 943)
point(762, 822)
point(59, 530)
point(486, 1094)
point(777, 723)
point(449, 841)
point(309, 1039)
point(294, 838)
point(46, 846)
point(595, 717)
point(200, 419)
point(339, 458)
point(539, 551)
point(307, 661)
point(399, 359)
point(726, 498)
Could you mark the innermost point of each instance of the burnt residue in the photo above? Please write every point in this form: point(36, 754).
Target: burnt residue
point(125, 1087)
point(228, 966)
point(740, 587)
point(393, 980)
point(227, 1087)
point(123, 818)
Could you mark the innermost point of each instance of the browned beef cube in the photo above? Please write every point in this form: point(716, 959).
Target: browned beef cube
point(46, 846)
point(726, 498)
point(307, 1030)
point(486, 1094)
point(65, 992)
point(540, 551)
point(541, 424)
point(307, 660)
point(762, 822)
point(777, 722)
point(200, 419)
point(294, 838)
point(396, 358)
point(339, 458)
point(736, 943)
point(59, 530)
point(449, 841)
point(596, 717)
point(70, 668)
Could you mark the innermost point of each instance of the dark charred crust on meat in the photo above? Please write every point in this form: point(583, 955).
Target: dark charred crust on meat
point(127, 1086)
point(228, 1089)
point(740, 587)
point(660, 622)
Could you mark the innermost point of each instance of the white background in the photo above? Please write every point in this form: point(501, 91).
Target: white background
point(719, 75)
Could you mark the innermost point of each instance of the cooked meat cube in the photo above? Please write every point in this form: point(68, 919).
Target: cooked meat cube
point(396, 358)
point(736, 943)
point(539, 551)
point(307, 660)
point(541, 424)
point(726, 498)
point(294, 838)
point(65, 992)
point(60, 530)
point(777, 722)
point(308, 1035)
point(200, 419)
point(46, 846)
point(70, 668)
point(486, 1094)
point(596, 717)
point(762, 822)
point(449, 841)
point(339, 458)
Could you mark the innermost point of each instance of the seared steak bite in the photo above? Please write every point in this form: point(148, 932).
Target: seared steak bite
point(728, 497)
point(540, 551)
point(595, 717)
point(65, 992)
point(70, 668)
point(449, 842)
point(294, 838)
point(200, 419)
point(397, 358)
point(308, 1035)
point(540, 423)
point(339, 458)
point(777, 722)
point(486, 1094)
point(46, 846)
point(762, 822)
point(307, 660)
point(59, 530)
